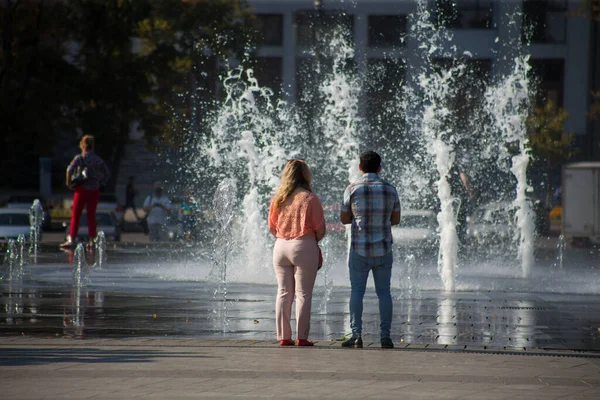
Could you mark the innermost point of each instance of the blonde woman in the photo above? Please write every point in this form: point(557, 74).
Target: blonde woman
point(296, 219)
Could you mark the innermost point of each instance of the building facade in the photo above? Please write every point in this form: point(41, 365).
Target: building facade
point(561, 44)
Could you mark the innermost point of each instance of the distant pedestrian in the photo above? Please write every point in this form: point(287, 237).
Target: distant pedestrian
point(158, 207)
point(372, 206)
point(460, 186)
point(130, 194)
point(296, 219)
point(91, 173)
point(189, 213)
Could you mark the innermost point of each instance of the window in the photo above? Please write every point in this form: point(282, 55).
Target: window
point(387, 30)
point(464, 14)
point(548, 75)
point(270, 29)
point(385, 78)
point(314, 27)
point(464, 100)
point(544, 21)
point(268, 72)
point(384, 113)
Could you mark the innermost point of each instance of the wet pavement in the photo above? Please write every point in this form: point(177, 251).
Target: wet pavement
point(163, 291)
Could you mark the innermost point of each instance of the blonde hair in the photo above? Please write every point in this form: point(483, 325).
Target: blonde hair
point(296, 173)
point(87, 143)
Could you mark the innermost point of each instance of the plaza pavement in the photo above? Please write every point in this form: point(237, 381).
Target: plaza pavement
point(159, 368)
point(208, 368)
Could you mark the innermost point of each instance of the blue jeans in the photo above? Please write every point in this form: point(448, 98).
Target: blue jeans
point(382, 275)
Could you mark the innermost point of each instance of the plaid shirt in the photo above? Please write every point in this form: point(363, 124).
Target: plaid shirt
point(98, 172)
point(371, 201)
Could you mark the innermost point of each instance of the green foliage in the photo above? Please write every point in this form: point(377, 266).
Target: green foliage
point(35, 83)
point(549, 143)
point(547, 137)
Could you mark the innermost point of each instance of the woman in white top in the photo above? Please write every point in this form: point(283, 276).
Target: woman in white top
point(158, 207)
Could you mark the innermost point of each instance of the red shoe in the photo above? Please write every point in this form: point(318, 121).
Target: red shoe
point(304, 342)
point(287, 342)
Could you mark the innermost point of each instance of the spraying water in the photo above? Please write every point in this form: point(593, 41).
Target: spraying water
point(12, 269)
point(247, 145)
point(224, 205)
point(36, 218)
point(252, 135)
point(508, 114)
point(21, 253)
point(560, 248)
point(339, 121)
point(81, 267)
point(439, 138)
point(100, 247)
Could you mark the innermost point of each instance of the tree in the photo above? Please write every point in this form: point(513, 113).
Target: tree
point(550, 144)
point(589, 9)
point(35, 83)
point(103, 66)
point(185, 44)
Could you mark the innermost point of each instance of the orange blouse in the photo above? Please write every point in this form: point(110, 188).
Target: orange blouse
point(301, 214)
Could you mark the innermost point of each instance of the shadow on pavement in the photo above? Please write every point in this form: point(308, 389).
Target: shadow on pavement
point(12, 357)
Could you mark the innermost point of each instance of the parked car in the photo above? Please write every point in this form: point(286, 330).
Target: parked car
point(26, 201)
point(106, 221)
point(492, 223)
point(109, 203)
point(14, 222)
point(418, 228)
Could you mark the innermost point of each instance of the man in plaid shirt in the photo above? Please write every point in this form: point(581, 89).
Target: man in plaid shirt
point(372, 206)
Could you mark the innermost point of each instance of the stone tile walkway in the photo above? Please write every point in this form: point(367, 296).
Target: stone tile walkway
point(151, 368)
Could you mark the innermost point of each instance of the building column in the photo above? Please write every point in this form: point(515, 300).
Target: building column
point(508, 17)
point(361, 37)
point(577, 84)
point(289, 57)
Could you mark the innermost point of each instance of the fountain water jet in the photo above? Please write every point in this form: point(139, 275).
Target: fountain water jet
point(253, 134)
point(224, 205)
point(100, 247)
point(36, 218)
point(508, 114)
point(12, 267)
point(81, 267)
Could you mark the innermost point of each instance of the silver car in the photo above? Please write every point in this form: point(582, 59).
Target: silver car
point(14, 222)
point(492, 224)
point(417, 229)
point(25, 202)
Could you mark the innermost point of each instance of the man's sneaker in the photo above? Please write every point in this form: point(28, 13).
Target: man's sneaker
point(355, 342)
point(386, 343)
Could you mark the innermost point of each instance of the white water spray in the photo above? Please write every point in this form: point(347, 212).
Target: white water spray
point(508, 113)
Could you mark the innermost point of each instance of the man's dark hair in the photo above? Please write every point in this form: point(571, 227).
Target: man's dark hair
point(369, 161)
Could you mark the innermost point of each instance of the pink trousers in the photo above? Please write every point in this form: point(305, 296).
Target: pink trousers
point(295, 262)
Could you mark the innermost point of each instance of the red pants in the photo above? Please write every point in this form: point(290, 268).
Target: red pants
point(88, 199)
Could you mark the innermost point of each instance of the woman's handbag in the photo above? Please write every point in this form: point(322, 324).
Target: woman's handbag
point(80, 175)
